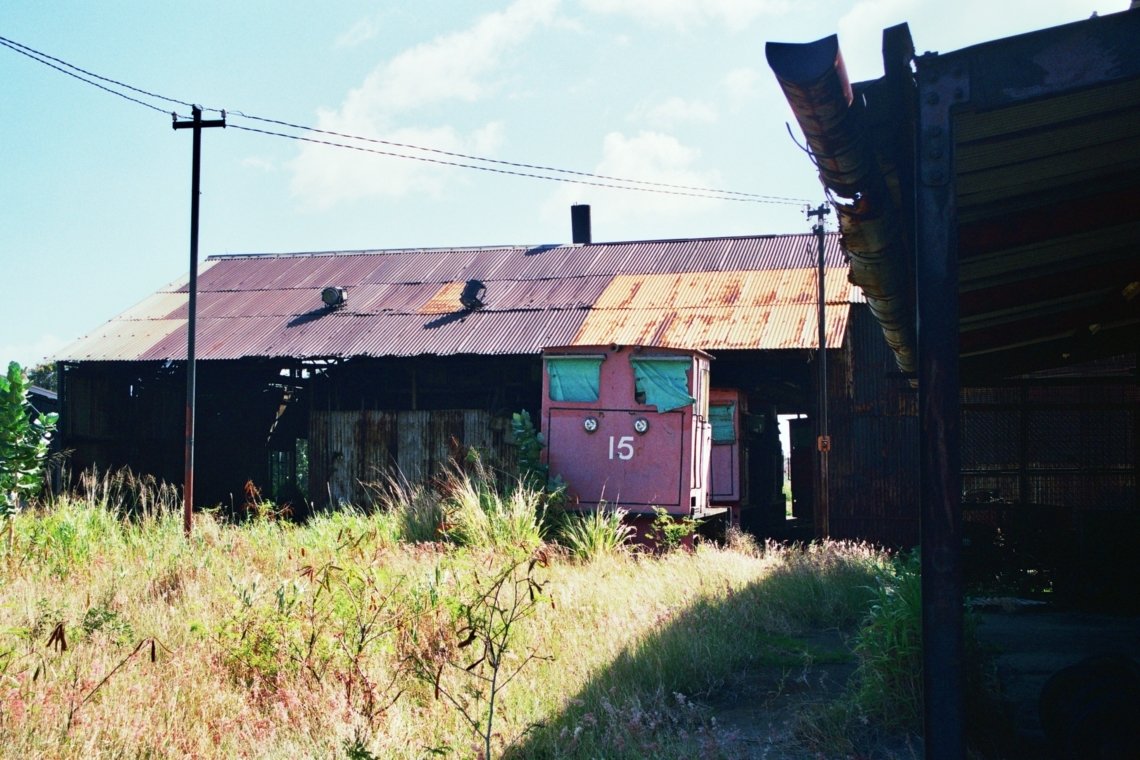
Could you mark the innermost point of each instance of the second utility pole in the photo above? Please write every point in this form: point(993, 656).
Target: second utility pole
point(823, 443)
point(197, 124)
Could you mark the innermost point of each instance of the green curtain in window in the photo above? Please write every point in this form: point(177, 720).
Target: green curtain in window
point(720, 416)
point(574, 378)
point(664, 382)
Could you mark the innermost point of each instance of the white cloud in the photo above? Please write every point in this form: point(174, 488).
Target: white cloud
point(488, 138)
point(324, 178)
point(861, 34)
point(453, 66)
point(259, 163)
point(682, 14)
point(673, 111)
point(361, 31)
point(742, 84)
point(648, 157)
point(459, 66)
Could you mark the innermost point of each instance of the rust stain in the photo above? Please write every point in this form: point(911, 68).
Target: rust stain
point(731, 293)
point(631, 296)
point(445, 300)
point(658, 337)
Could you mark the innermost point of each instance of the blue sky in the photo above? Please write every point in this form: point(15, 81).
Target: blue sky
point(95, 190)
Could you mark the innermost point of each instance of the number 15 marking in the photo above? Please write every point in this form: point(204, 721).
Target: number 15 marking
point(624, 447)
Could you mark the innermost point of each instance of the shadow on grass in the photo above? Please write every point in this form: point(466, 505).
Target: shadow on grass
point(653, 699)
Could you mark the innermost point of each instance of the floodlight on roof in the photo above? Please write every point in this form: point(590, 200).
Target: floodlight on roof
point(334, 297)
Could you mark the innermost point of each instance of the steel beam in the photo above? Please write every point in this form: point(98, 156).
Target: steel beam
point(940, 88)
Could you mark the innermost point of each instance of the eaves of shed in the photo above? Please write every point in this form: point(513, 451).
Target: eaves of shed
point(1036, 139)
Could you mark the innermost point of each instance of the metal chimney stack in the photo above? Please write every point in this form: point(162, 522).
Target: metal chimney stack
point(580, 223)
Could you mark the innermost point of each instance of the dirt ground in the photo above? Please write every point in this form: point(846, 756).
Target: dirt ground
point(760, 711)
point(1030, 643)
point(1026, 644)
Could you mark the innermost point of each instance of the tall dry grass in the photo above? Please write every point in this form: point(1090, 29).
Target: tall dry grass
point(123, 638)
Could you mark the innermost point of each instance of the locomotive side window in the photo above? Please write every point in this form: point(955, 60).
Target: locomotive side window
point(662, 382)
point(720, 415)
point(574, 378)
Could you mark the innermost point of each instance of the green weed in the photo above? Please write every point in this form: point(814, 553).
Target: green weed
point(416, 511)
point(829, 584)
point(889, 648)
point(479, 514)
point(669, 533)
point(595, 534)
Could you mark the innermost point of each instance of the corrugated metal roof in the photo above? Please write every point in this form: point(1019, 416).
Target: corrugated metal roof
point(717, 311)
point(123, 340)
point(715, 293)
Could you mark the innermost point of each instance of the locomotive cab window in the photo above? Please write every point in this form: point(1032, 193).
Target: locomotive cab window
point(720, 416)
point(662, 382)
point(574, 378)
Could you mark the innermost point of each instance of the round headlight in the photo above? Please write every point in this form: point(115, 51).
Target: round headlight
point(641, 425)
point(590, 424)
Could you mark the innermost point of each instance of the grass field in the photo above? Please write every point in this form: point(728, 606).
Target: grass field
point(120, 637)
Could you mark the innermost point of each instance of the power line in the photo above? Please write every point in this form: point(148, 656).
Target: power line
point(572, 176)
point(46, 61)
point(710, 194)
point(537, 167)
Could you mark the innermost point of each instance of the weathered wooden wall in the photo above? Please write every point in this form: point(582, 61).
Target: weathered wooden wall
point(116, 415)
point(350, 449)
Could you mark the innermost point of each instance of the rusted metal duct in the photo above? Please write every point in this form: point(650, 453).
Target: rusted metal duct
point(814, 80)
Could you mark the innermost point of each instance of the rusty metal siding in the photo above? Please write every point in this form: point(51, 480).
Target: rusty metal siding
point(876, 385)
point(874, 471)
point(873, 464)
point(116, 415)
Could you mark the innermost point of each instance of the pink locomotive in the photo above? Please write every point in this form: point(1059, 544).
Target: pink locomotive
point(629, 427)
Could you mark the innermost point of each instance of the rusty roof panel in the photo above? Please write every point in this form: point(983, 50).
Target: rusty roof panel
point(445, 300)
point(522, 332)
point(403, 303)
point(344, 335)
point(541, 262)
point(379, 298)
point(248, 273)
point(717, 328)
point(698, 289)
point(572, 293)
point(717, 310)
point(569, 293)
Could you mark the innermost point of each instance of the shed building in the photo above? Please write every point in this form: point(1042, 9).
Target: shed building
point(320, 372)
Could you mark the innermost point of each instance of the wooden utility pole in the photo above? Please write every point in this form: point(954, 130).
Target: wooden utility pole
point(823, 442)
point(197, 124)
